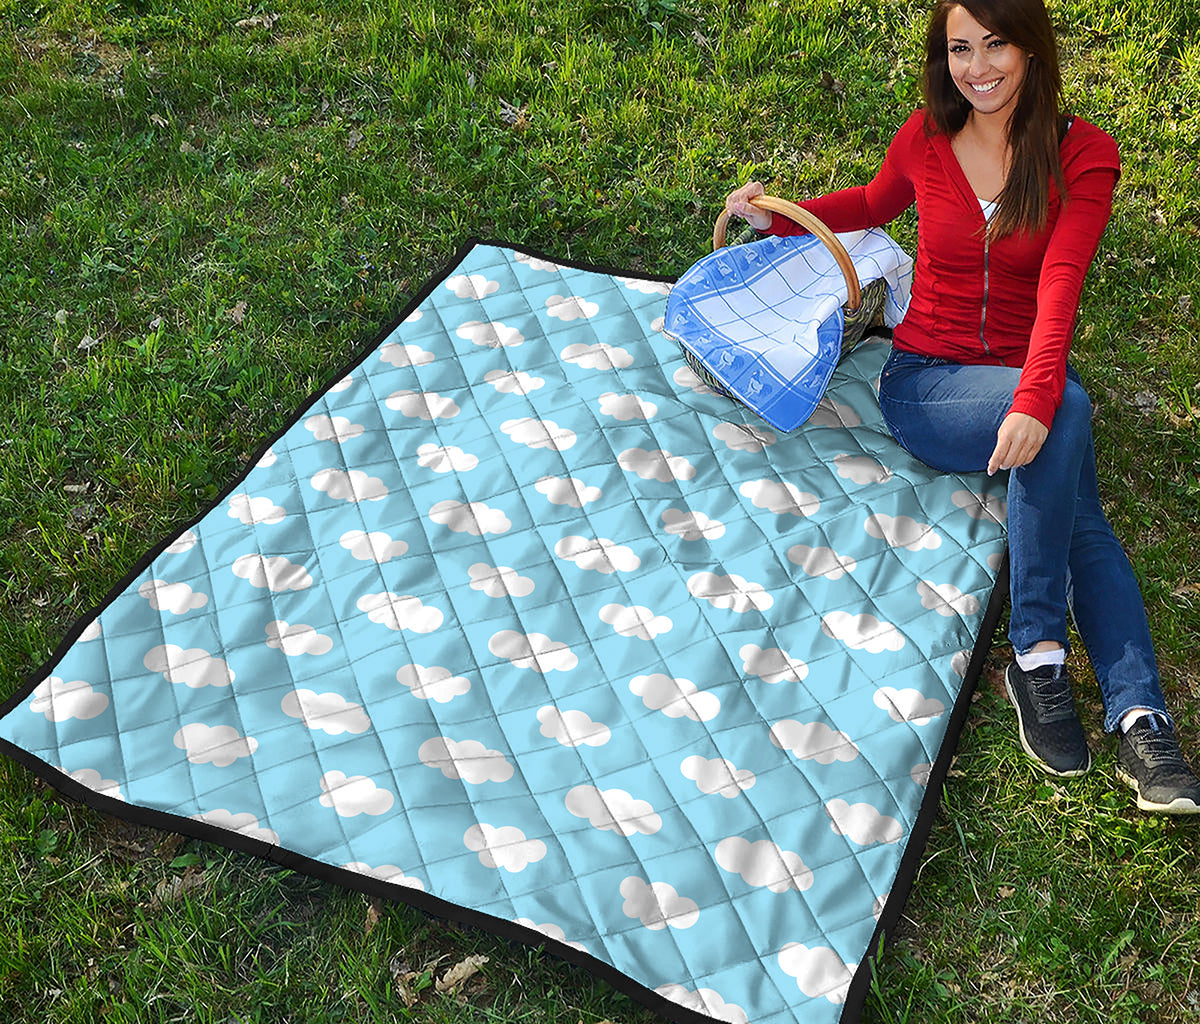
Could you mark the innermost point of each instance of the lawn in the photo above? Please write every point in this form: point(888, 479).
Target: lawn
point(206, 208)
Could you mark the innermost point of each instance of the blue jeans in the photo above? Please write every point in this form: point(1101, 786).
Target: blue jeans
point(1062, 551)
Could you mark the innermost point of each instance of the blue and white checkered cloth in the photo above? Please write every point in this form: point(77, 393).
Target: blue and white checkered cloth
point(766, 318)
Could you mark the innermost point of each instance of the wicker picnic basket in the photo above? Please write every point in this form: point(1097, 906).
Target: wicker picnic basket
point(863, 308)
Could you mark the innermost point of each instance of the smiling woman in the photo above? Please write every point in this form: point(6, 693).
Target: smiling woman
point(1012, 198)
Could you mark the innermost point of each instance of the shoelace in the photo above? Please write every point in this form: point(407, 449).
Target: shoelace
point(1159, 750)
point(1052, 695)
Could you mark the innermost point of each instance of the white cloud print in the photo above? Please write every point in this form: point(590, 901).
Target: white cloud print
point(256, 511)
point(569, 490)
point(499, 580)
point(534, 651)
point(613, 810)
point(597, 356)
point(60, 701)
point(818, 971)
point(404, 355)
point(337, 429)
point(717, 776)
point(468, 760)
point(772, 664)
point(535, 263)
point(692, 525)
point(176, 598)
point(780, 497)
point(908, 705)
point(637, 284)
point(471, 286)
point(184, 542)
point(946, 599)
point(243, 823)
point(275, 573)
point(375, 546)
point(399, 612)
point(598, 554)
point(445, 458)
point(988, 507)
point(829, 413)
point(657, 904)
point(862, 823)
point(861, 469)
point(743, 437)
point(422, 405)
point(626, 407)
point(902, 532)
point(95, 781)
point(550, 930)
point(385, 873)
point(193, 667)
point(635, 621)
point(513, 382)
point(218, 745)
point(675, 697)
point(296, 639)
point(535, 433)
point(436, 683)
point(657, 464)
point(686, 377)
point(505, 847)
point(572, 728)
point(704, 1000)
point(349, 485)
point(764, 864)
point(352, 795)
point(93, 629)
point(862, 632)
point(821, 561)
point(331, 713)
point(490, 334)
point(473, 517)
point(813, 741)
point(571, 307)
point(730, 592)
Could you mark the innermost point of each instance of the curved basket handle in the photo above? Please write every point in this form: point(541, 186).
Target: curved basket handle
point(805, 219)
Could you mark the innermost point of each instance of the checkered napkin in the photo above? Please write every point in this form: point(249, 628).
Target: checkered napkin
point(766, 319)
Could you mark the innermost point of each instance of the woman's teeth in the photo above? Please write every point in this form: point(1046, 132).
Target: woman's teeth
point(986, 88)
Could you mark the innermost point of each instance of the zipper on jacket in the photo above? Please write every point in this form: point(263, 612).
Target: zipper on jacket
point(983, 309)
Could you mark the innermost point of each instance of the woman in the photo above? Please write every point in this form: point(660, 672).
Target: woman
point(1012, 198)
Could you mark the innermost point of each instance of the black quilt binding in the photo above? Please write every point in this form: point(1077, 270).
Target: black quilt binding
point(860, 984)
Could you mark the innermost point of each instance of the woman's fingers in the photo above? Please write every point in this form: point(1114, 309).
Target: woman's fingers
point(737, 204)
point(1018, 441)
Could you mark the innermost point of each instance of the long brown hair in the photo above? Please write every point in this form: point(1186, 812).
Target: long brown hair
point(1036, 123)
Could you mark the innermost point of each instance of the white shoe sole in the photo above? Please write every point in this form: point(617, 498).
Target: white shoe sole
point(1180, 805)
point(1073, 773)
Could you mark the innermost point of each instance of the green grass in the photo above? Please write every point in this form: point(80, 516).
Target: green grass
point(198, 224)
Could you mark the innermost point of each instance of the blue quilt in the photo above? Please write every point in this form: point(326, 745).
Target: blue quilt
point(519, 622)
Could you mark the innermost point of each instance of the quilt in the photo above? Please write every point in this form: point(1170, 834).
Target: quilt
point(518, 622)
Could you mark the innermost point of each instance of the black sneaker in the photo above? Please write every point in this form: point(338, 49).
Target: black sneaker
point(1149, 760)
point(1051, 732)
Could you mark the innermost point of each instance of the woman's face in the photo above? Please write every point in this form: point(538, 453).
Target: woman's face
point(987, 69)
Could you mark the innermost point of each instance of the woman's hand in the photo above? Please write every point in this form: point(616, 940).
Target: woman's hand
point(1018, 440)
point(737, 204)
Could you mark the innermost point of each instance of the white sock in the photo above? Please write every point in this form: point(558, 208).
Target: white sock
point(1130, 717)
point(1028, 662)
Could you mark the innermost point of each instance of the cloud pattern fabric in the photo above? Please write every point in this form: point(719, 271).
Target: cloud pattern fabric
point(520, 615)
